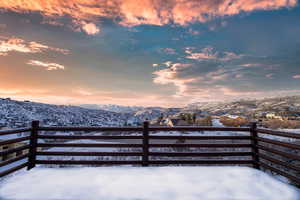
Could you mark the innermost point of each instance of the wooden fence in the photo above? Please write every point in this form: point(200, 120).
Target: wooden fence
point(253, 146)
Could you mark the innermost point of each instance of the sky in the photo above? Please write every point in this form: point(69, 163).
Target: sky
point(165, 53)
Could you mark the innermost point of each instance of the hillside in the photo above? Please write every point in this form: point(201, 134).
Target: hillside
point(250, 107)
point(20, 113)
point(113, 108)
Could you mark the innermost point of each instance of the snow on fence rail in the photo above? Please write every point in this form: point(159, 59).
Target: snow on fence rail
point(264, 152)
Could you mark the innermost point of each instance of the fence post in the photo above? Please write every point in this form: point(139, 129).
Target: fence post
point(254, 142)
point(145, 161)
point(33, 144)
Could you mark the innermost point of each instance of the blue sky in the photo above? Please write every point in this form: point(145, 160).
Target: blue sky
point(149, 54)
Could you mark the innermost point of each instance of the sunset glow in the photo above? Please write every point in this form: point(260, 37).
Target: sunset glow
point(148, 53)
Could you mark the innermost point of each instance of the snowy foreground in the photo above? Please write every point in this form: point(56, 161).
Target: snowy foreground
point(151, 183)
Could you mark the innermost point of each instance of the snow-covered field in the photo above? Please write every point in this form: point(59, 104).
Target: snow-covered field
point(159, 183)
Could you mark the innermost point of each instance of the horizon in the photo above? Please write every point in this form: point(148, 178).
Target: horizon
point(149, 54)
point(218, 102)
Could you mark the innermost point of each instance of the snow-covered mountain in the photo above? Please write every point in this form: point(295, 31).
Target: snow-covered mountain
point(21, 113)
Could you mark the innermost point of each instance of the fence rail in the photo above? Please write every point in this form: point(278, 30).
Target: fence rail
point(252, 147)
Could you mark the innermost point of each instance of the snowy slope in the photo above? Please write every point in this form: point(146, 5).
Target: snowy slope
point(113, 108)
point(21, 113)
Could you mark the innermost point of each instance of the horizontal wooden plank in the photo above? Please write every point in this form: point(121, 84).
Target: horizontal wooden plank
point(13, 150)
point(117, 145)
point(91, 128)
point(63, 153)
point(13, 169)
point(192, 154)
point(279, 133)
point(139, 129)
point(88, 137)
point(200, 162)
point(280, 153)
point(202, 145)
point(293, 178)
point(15, 140)
point(154, 137)
point(88, 162)
point(6, 162)
point(198, 128)
point(14, 131)
point(278, 162)
point(279, 143)
point(158, 137)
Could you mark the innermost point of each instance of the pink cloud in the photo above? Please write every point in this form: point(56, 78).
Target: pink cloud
point(132, 12)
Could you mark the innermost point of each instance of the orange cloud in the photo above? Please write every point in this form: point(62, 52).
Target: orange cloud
point(19, 45)
point(132, 12)
point(48, 66)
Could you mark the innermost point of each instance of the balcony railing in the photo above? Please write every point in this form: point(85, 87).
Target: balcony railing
point(260, 148)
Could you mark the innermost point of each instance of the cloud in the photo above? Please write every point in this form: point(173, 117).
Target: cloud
point(297, 76)
point(132, 13)
point(193, 32)
point(251, 65)
point(210, 74)
point(87, 27)
point(205, 54)
point(19, 45)
point(209, 53)
point(169, 51)
point(48, 66)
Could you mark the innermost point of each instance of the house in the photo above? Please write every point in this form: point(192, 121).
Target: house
point(176, 122)
point(273, 116)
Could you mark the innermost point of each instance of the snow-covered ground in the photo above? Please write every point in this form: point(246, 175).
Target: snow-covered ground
point(159, 183)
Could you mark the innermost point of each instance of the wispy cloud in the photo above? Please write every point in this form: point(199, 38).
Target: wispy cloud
point(22, 46)
point(48, 66)
point(209, 53)
point(205, 54)
point(251, 65)
point(169, 51)
point(131, 13)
